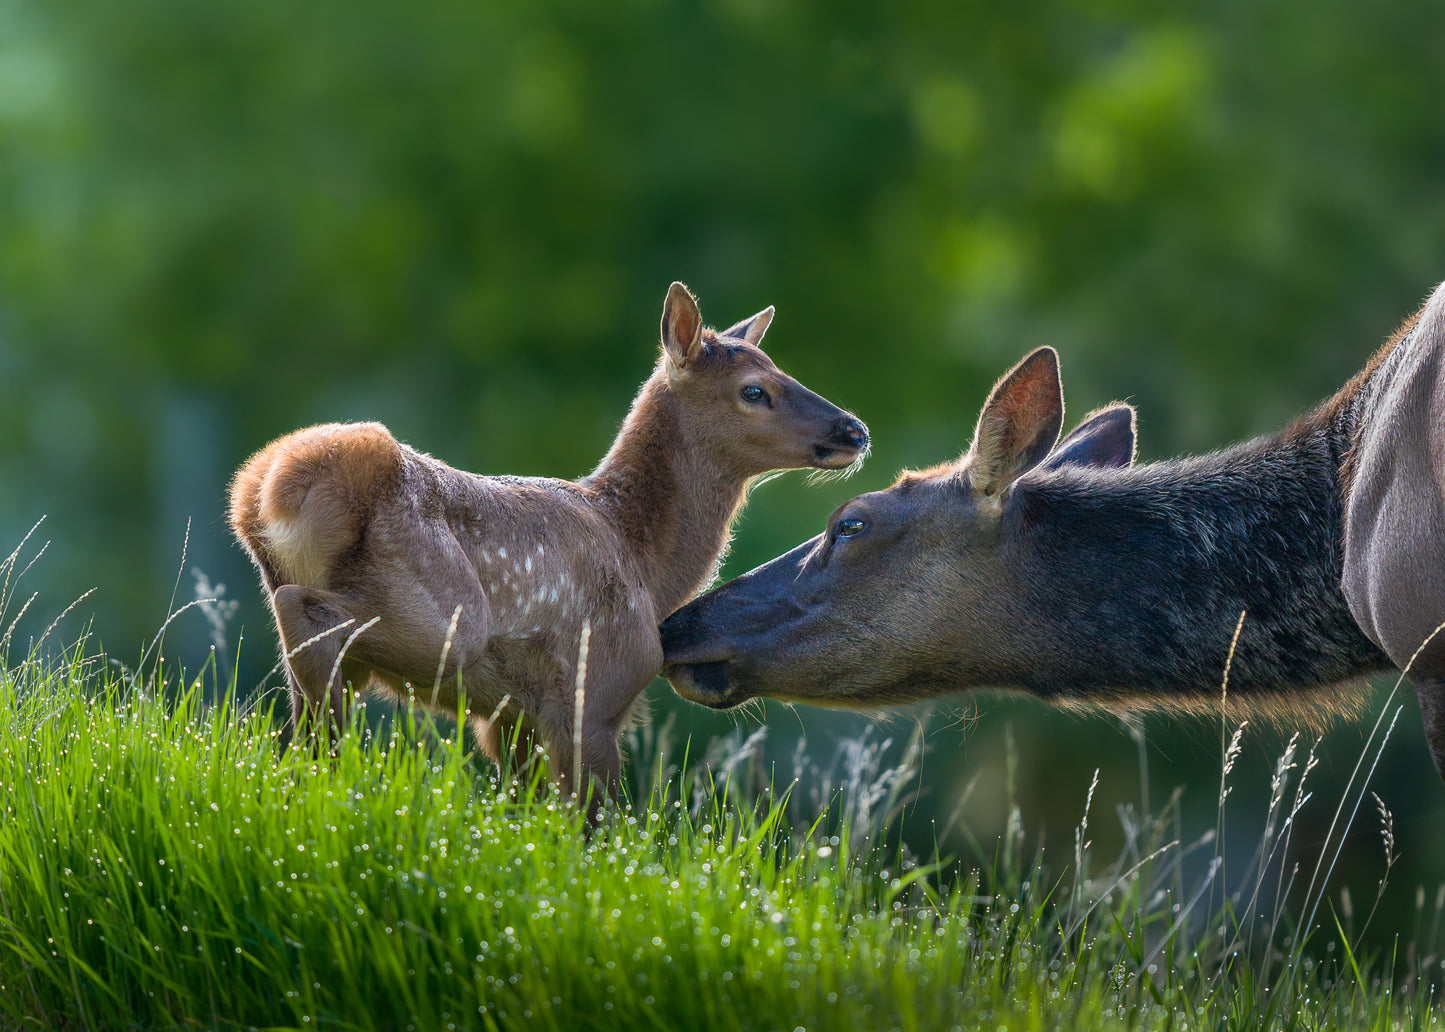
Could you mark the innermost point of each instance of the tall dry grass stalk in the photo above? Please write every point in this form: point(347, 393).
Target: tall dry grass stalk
point(446, 651)
point(579, 703)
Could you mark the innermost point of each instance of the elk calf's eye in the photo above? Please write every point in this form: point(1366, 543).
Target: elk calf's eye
point(850, 527)
point(753, 394)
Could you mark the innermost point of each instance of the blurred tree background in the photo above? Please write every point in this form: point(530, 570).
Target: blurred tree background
point(222, 220)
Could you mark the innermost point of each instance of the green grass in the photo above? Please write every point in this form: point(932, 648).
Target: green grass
point(161, 865)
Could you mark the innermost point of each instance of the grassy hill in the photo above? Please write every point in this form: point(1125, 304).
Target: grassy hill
point(163, 865)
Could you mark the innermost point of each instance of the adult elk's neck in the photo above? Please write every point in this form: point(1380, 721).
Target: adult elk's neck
point(1137, 577)
point(673, 505)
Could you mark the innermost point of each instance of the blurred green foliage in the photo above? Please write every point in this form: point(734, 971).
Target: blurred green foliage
point(221, 220)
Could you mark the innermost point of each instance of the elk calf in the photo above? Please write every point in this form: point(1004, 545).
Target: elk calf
point(1068, 572)
point(387, 567)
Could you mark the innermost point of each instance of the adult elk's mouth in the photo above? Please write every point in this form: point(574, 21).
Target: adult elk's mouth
point(707, 684)
point(698, 665)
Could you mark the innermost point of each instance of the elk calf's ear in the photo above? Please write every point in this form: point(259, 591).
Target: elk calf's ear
point(1018, 425)
point(752, 328)
point(681, 326)
point(1105, 437)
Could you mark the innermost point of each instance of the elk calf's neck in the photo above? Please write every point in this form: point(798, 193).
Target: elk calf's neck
point(388, 568)
point(1067, 571)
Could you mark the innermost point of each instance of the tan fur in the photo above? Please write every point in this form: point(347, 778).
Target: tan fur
point(385, 566)
point(304, 497)
point(1316, 708)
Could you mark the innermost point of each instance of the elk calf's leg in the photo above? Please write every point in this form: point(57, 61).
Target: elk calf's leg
point(602, 756)
point(303, 615)
point(509, 741)
point(601, 768)
point(1431, 694)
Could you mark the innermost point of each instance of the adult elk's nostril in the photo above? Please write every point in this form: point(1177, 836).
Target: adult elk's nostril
point(850, 432)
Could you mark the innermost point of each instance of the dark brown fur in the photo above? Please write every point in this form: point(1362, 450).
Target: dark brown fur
point(1088, 581)
point(387, 567)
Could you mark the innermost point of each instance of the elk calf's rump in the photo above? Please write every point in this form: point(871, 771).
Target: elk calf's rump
point(388, 568)
point(1067, 571)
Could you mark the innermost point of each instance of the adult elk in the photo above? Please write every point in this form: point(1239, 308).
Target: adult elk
point(1073, 574)
point(387, 567)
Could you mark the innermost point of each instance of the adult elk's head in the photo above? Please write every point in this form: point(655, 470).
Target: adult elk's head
point(910, 592)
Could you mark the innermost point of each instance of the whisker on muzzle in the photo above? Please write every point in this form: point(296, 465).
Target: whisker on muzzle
point(828, 476)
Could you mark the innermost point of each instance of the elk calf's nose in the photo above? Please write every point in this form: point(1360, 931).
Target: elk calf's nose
point(851, 431)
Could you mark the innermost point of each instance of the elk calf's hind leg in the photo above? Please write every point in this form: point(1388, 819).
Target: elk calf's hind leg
point(303, 616)
point(510, 741)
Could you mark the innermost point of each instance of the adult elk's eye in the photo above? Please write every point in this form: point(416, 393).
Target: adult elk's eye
point(851, 527)
point(753, 394)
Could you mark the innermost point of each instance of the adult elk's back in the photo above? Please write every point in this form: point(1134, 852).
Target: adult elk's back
point(1069, 572)
point(387, 567)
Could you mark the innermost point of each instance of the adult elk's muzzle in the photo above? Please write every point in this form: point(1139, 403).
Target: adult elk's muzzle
point(715, 647)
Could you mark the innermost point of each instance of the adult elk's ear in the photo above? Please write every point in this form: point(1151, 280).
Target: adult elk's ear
point(681, 326)
point(1018, 425)
point(1105, 437)
point(752, 328)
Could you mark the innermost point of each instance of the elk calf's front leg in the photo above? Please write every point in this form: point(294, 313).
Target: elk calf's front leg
point(601, 769)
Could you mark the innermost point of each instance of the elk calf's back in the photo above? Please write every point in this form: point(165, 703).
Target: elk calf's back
point(1071, 573)
point(387, 567)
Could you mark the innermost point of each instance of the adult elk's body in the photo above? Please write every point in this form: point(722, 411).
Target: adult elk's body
point(487, 582)
point(1071, 573)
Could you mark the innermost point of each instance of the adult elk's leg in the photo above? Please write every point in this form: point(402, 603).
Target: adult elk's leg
point(1431, 693)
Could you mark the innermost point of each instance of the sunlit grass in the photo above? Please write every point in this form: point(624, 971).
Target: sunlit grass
point(164, 864)
point(161, 864)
